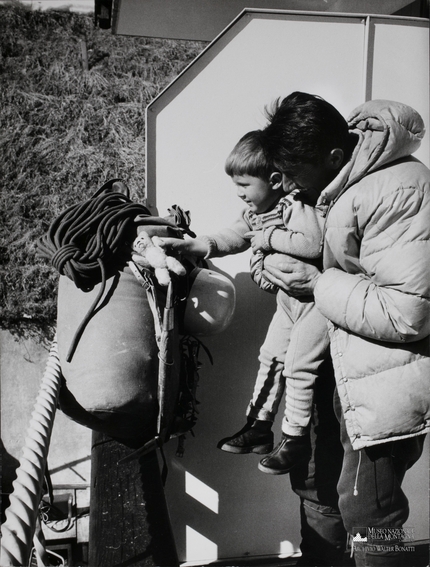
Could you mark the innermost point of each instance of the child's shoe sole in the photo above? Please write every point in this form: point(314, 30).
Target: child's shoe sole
point(259, 449)
point(268, 470)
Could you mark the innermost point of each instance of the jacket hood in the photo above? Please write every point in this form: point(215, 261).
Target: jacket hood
point(386, 131)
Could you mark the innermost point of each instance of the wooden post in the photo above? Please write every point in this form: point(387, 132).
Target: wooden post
point(84, 53)
point(129, 520)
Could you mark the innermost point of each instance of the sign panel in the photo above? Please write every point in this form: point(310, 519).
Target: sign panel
point(191, 128)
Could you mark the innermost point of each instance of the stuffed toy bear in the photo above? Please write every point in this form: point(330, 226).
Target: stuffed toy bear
point(149, 254)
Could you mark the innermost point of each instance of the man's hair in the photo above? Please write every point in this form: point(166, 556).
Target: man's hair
point(249, 157)
point(303, 128)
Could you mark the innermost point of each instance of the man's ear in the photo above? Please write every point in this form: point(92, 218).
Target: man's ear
point(276, 180)
point(335, 158)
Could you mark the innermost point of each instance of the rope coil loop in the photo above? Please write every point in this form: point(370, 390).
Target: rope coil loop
point(88, 241)
point(63, 256)
point(85, 233)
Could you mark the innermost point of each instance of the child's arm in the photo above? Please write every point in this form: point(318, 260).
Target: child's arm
point(302, 235)
point(227, 241)
point(191, 247)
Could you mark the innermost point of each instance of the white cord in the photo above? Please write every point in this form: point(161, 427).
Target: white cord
point(356, 475)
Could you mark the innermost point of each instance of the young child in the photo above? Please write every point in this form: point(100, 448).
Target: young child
point(277, 219)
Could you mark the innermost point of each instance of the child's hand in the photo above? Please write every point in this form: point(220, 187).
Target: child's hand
point(256, 238)
point(193, 247)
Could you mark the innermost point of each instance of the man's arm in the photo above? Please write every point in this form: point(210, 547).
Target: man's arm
point(390, 299)
point(357, 304)
point(354, 302)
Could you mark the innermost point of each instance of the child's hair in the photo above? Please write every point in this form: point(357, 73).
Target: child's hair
point(248, 157)
point(303, 128)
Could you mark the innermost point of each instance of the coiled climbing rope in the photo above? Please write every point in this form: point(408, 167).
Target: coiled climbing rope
point(87, 241)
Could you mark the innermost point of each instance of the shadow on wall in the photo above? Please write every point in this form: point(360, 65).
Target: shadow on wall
point(235, 354)
point(220, 504)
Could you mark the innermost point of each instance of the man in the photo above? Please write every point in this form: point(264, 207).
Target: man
point(374, 290)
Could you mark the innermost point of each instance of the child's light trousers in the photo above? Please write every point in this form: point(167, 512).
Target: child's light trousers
point(295, 346)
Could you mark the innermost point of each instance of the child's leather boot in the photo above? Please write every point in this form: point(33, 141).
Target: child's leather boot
point(291, 451)
point(255, 437)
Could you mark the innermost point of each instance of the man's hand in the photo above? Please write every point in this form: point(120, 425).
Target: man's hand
point(290, 274)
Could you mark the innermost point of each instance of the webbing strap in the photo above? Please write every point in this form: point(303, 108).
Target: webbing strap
point(145, 281)
point(163, 326)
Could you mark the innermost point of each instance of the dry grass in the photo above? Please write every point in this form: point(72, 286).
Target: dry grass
point(63, 132)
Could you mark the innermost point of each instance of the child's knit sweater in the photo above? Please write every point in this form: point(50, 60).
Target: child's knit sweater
point(291, 227)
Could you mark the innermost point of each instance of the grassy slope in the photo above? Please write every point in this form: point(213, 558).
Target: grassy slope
point(63, 132)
